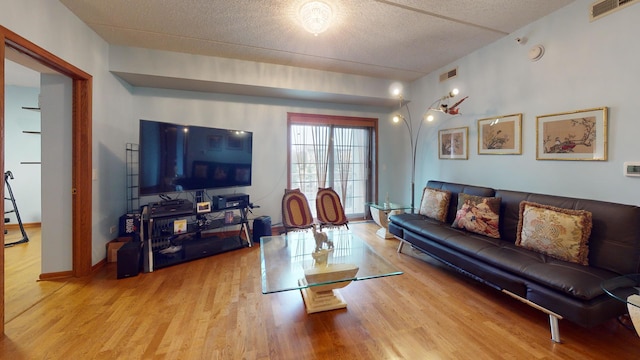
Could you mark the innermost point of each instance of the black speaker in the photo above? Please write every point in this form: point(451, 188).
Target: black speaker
point(261, 227)
point(197, 248)
point(129, 260)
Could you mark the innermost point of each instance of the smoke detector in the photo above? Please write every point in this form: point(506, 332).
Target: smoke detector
point(536, 53)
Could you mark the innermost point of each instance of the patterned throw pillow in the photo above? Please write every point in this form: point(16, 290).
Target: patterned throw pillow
point(478, 214)
point(435, 203)
point(556, 232)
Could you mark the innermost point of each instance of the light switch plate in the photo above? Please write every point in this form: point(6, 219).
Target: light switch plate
point(632, 168)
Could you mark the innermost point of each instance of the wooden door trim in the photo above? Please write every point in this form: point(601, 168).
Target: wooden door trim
point(81, 151)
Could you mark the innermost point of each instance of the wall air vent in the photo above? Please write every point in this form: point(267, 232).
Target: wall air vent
point(448, 75)
point(606, 7)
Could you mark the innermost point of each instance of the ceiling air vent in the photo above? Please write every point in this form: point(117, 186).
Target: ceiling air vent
point(606, 7)
point(448, 75)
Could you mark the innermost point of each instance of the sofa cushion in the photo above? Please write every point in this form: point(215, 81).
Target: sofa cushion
point(571, 279)
point(457, 189)
point(435, 203)
point(557, 232)
point(412, 222)
point(613, 245)
point(478, 214)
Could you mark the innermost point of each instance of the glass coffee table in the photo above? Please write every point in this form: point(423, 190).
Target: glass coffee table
point(626, 289)
point(294, 262)
point(380, 213)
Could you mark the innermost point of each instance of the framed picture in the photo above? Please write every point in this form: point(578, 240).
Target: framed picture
point(453, 143)
point(577, 135)
point(500, 135)
point(215, 142)
point(234, 142)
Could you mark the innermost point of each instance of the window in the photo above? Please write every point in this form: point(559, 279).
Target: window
point(337, 152)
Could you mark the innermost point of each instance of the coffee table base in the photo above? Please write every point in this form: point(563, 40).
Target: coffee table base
point(317, 301)
point(384, 233)
point(633, 305)
point(325, 297)
point(381, 217)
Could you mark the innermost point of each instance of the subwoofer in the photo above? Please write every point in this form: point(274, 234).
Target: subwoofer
point(128, 262)
point(261, 227)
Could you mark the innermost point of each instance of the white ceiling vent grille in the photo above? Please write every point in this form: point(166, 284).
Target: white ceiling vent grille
point(448, 75)
point(606, 7)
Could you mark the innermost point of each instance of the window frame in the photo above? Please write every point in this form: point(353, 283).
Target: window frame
point(340, 121)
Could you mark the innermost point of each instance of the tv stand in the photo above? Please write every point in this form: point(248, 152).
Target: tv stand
point(183, 235)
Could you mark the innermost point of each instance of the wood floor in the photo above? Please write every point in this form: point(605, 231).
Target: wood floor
point(213, 308)
point(22, 270)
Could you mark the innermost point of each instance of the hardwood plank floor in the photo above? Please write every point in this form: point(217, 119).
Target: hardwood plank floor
point(22, 270)
point(213, 308)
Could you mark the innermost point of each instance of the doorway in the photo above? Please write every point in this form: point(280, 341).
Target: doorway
point(11, 44)
point(22, 159)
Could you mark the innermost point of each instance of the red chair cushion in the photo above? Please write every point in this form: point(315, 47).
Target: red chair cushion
point(330, 210)
point(295, 210)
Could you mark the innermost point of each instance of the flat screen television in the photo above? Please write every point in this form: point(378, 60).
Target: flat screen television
point(177, 158)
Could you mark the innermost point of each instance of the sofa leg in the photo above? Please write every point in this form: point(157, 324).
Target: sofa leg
point(555, 329)
point(400, 246)
point(553, 317)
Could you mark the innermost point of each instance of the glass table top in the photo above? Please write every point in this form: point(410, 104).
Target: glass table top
point(388, 206)
point(622, 287)
point(288, 259)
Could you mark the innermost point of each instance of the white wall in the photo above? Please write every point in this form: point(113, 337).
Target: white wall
point(50, 25)
point(265, 117)
point(57, 143)
point(163, 69)
point(586, 65)
point(20, 147)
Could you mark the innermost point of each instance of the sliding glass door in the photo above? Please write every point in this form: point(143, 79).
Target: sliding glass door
point(336, 152)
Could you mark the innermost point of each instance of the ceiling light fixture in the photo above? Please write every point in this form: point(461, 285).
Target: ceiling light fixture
point(315, 16)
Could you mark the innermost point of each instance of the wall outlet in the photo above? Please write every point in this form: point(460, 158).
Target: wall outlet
point(113, 229)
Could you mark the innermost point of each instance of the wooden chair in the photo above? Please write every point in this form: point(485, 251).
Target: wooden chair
point(296, 214)
point(330, 210)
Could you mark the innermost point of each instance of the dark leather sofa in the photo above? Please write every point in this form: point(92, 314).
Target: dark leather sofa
point(561, 289)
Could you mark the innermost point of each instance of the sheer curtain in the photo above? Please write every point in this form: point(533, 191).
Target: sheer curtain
point(321, 136)
point(344, 156)
point(298, 147)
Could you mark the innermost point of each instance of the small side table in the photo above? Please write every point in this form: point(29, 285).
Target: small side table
point(380, 213)
point(626, 288)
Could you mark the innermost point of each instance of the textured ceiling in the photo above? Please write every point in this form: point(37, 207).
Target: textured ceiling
point(400, 40)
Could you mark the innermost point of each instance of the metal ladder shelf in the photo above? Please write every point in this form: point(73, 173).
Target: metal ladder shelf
point(133, 195)
point(9, 176)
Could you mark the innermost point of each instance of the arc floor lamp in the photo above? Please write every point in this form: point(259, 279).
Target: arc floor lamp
point(441, 105)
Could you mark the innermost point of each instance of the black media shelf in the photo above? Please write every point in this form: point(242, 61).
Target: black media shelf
point(165, 245)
